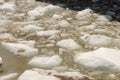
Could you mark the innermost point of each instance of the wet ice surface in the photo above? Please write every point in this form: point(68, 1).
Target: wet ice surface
point(40, 35)
point(11, 63)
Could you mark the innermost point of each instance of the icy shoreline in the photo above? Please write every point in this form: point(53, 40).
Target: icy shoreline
point(48, 37)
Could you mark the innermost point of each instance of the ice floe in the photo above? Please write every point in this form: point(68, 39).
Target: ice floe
point(101, 59)
point(45, 61)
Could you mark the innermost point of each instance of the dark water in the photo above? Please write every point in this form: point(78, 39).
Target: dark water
point(104, 7)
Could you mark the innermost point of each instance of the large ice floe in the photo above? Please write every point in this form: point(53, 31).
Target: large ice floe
point(41, 74)
point(101, 59)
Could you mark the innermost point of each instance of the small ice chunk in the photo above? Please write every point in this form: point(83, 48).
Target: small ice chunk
point(41, 11)
point(0, 60)
point(8, 7)
point(30, 43)
point(45, 61)
point(111, 77)
point(31, 28)
point(19, 16)
point(60, 68)
point(99, 40)
point(88, 27)
point(48, 32)
point(104, 18)
point(64, 23)
point(1, 63)
point(10, 76)
point(21, 49)
point(55, 16)
point(72, 74)
point(5, 22)
point(69, 44)
point(6, 36)
point(33, 13)
point(85, 15)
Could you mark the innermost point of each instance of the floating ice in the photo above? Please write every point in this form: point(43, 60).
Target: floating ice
point(45, 61)
point(101, 59)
